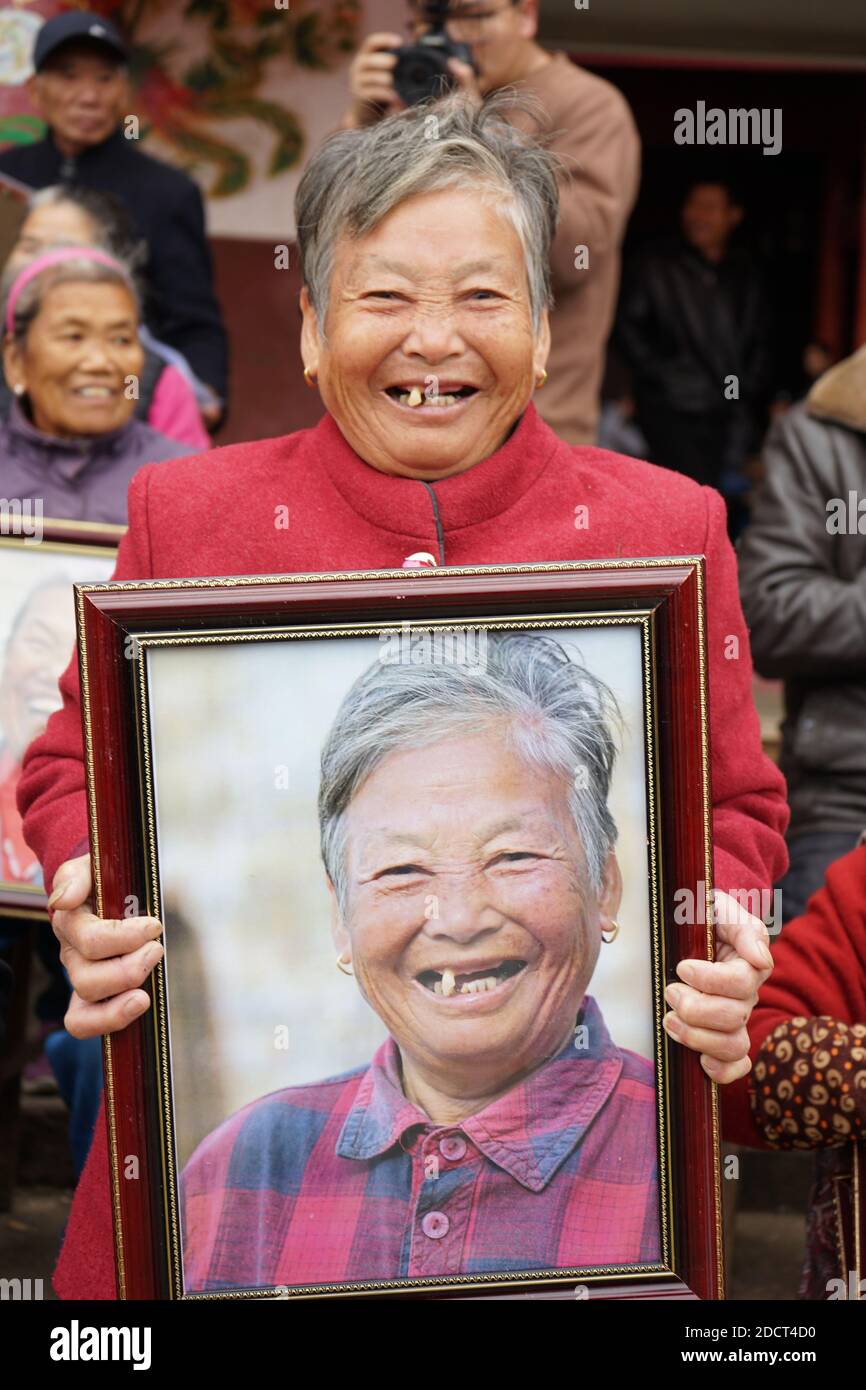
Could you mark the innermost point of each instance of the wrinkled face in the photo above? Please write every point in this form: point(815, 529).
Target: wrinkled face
point(495, 30)
point(56, 224)
point(709, 217)
point(470, 923)
point(436, 298)
point(36, 657)
point(74, 365)
point(81, 93)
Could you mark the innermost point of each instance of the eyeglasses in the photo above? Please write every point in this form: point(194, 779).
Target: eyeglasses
point(465, 25)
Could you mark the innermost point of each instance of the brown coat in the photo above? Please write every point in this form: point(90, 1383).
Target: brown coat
point(592, 128)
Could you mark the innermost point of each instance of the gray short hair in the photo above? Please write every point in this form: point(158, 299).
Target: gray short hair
point(111, 226)
point(357, 177)
point(72, 271)
point(557, 715)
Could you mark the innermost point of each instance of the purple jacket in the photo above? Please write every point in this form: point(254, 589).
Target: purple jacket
point(77, 481)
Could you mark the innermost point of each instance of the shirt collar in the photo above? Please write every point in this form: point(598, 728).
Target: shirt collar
point(402, 505)
point(528, 1132)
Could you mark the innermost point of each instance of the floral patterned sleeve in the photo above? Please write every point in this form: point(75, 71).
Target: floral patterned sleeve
point(808, 1085)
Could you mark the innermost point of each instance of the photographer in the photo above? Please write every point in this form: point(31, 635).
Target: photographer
point(482, 46)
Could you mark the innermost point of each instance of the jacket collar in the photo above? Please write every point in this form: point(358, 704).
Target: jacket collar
point(94, 155)
point(72, 456)
point(528, 1132)
point(839, 396)
point(402, 505)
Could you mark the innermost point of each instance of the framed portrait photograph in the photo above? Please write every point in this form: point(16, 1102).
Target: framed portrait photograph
point(415, 838)
point(40, 560)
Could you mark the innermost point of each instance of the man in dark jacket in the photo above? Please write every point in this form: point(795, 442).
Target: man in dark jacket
point(803, 587)
point(694, 328)
point(80, 88)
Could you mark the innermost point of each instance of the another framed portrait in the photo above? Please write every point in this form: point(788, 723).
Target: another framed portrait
point(415, 838)
point(39, 563)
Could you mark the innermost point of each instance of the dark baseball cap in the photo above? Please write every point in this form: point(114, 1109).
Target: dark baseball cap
point(77, 24)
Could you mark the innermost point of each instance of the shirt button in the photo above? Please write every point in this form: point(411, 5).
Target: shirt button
point(435, 1225)
point(452, 1147)
point(419, 560)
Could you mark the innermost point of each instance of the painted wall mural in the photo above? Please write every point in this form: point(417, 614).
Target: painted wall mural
point(234, 91)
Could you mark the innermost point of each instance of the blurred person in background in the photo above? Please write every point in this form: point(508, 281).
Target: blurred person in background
point(71, 357)
point(803, 587)
point(80, 88)
point(815, 359)
point(581, 118)
point(70, 441)
point(694, 327)
point(69, 216)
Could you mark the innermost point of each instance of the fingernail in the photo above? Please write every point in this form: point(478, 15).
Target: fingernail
point(57, 895)
point(153, 954)
point(768, 957)
point(671, 1024)
point(686, 971)
point(133, 1007)
point(710, 1066)
point(673, 994)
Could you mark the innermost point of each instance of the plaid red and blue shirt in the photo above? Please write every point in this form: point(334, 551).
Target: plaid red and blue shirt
point(346, 1180)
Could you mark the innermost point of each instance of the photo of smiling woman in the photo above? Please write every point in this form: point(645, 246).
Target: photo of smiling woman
point(489, 1123)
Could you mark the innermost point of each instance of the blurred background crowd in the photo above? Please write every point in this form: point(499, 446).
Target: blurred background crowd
point(709, 276)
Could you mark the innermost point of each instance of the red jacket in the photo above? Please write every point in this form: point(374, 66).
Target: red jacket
point(820, 970)
point(224, 513)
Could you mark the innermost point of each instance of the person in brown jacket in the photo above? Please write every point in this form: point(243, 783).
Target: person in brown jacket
point(587, 122)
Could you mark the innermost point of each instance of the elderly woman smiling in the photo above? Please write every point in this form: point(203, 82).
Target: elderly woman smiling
point(472, 883)
point(72, 358)
point(62, 216)
point(424, 244)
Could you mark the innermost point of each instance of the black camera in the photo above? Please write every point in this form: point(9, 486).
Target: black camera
point(421, 70)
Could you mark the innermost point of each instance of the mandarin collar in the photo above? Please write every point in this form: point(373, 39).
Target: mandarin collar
point(529, 1132)
point(402, 505)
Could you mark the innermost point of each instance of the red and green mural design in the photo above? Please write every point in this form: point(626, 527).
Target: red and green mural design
point(187, 100)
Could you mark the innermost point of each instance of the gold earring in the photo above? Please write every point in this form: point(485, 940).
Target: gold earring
point(341, 965)
point(540, 381)
point(614, 933)
point(308, 377)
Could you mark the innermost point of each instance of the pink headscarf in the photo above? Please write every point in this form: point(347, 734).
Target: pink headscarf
point(57, 257)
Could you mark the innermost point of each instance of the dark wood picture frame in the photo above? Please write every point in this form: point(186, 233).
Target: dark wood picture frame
point(668, 596)
point(26, 902)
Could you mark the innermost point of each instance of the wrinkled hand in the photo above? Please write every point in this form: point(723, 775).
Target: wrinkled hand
point(711, 1008)
point(371, 81)
point(107, 960)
